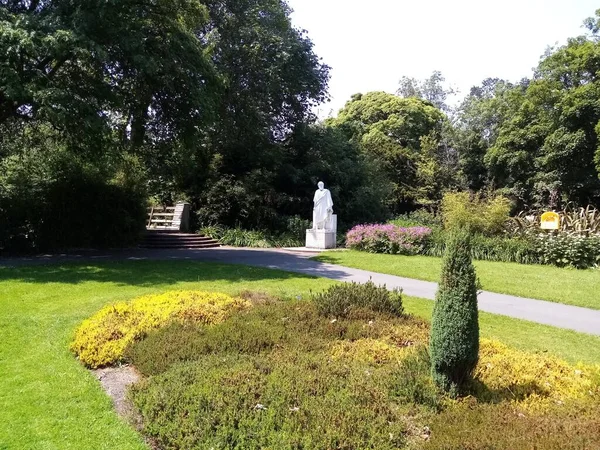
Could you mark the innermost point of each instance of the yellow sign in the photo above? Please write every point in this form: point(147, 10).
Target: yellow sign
point(550, 221)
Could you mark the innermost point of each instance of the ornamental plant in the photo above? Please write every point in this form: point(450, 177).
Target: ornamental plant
point(341, 300)
point(454, 341)
point(388, 238)
point(568, 249)
point(102, 339)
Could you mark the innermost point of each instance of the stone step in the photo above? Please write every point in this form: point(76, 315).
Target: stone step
point(175, 239)
point(182, 246)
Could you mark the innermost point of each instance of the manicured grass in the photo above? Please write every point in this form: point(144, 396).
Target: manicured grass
point(568, 286)
point(50, 401)
point(566, 344)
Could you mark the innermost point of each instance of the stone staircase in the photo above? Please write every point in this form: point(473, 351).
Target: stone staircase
point(168, 239)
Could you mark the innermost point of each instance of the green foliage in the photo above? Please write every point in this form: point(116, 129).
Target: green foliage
point(460, 210)
point(50, 199)
point(537, 141)
point(268, 197)
point(268, 326)
point(350, 299)
point(454, 344)
point(518, 249)
point(285, 400)
point(271, 377)
point(208, 112)
point(431, 90)
point(413, 382)
point(300, 379)
point(403, 135)
point(418, 218)
point(454, 428)
point(237, 237)
point(568, 249)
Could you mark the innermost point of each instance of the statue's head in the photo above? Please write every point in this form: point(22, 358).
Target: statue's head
point(321, 185)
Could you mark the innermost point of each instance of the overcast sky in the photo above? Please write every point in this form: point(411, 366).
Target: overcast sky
point(371, 44)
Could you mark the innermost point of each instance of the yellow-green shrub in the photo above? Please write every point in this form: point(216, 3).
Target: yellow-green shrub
point(477, 214)
point(372, 351)
point(530, 380)
point(103, 338)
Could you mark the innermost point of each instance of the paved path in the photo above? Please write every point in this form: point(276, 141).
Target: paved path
point(563, 316)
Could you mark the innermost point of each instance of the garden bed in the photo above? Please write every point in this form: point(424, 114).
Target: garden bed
point(334, 373)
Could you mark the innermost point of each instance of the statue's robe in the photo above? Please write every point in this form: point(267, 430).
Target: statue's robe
point(322, 210)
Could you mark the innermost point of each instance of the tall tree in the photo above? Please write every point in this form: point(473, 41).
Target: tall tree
point(432, 90)
point(93, 68)
point(393, 130)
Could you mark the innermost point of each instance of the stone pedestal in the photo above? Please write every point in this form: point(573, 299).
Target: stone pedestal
point(320, 239)
point(323, 238)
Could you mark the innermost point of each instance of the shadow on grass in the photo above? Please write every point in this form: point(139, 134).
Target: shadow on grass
point(147, 267)
point(143, 273)
point(327, 259)
point(515, 391)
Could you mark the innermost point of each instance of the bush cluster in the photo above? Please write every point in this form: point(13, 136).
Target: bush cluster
point(475, 213)
point(72, 208)
point(238, 237)
point(523, 245)
point(518, 249)
point(568, 249)
point(418, 218)
point(274, 376)
point(103, 338)
point(351, 299)
point(389, 239)
point(280, 375)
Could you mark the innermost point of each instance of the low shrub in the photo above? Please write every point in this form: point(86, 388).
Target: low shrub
point(568, 249)
point(349, 299)
point(475, 213)
point(532, 382)
point(279, 375)
point(418, 218)
point(389, 239)
point(413, 383)
point(522, 249)
point(274, 325)
point(237, 237)
point(283, 400)
point(475, 426)
point(103, 338)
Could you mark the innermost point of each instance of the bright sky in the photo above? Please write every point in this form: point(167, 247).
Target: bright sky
point(371, 44)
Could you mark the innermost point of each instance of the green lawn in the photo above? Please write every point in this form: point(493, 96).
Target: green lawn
point(49, 401)
point(568, 286)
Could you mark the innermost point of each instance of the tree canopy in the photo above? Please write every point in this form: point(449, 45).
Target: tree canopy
point(404, 137)
point(211, 101)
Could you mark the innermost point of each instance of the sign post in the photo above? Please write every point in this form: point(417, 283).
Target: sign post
point(550, 221)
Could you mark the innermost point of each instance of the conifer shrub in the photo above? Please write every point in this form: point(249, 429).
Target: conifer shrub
point(454, 341)
point(349, 299)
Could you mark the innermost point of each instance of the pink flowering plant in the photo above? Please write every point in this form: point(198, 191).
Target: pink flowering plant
point(388, 238)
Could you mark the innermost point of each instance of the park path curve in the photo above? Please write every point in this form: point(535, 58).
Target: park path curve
point(563, 316)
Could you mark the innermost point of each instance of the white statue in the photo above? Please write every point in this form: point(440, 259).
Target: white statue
point(323, 208)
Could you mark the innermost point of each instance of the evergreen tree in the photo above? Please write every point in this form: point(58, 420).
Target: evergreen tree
point(454, 342)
